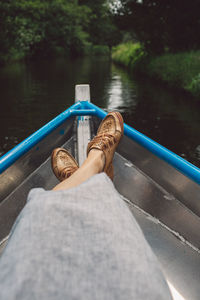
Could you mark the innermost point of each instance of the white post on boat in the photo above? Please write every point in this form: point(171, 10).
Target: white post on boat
point(82, 93)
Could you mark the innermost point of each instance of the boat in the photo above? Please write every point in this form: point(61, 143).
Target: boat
point(161, 189)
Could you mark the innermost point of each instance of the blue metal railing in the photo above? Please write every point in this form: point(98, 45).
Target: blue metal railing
point(87, 108)
point(11, 156)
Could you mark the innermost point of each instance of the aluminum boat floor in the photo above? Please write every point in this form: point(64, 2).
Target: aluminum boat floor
point(179, 262)
point(179, 259)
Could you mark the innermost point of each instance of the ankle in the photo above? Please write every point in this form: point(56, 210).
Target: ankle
point(97, 158)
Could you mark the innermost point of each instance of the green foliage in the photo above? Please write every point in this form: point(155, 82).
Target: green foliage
point(180, 70)
point(101, 29)
point(37, 28)
point(194, 86)
point(128, 55)
point(20, 27)
point(100, 50)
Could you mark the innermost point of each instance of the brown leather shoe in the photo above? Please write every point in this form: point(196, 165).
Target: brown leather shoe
point(108, 137)
point(63, 163)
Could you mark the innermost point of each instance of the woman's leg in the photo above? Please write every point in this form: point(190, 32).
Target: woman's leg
point(79, 243)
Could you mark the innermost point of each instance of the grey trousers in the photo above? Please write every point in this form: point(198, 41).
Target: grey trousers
point(82, 243)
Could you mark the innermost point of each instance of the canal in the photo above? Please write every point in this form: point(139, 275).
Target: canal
point(33, 93)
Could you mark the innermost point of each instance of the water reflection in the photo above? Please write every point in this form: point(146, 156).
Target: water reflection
point(32, 94)
point(121, 92)
point(115, 99)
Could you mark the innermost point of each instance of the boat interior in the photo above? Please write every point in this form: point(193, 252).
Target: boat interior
point(165, 202)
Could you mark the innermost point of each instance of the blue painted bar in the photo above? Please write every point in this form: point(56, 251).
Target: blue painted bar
point(99, 112)
point(83, 112)
point(11, 156)
point(173, 159)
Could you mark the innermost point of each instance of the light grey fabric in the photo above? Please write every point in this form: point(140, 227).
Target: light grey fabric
point(82, 243)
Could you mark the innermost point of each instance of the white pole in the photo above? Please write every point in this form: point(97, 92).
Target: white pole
point(82, 93)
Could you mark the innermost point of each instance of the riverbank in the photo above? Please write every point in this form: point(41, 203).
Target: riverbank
point(57, 52)
point(180, 70)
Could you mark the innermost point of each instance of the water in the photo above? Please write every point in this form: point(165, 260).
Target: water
point(31, 94)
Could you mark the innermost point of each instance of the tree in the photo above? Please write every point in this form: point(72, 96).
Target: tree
point(162, 24)
point(102, 29)
point(38, 28)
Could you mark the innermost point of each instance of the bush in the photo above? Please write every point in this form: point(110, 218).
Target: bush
point(128, 55)
point(100, 50)
point(180, 70)
point(194, 86)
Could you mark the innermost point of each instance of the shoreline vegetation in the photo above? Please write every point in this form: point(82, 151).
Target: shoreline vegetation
point(89, 50)
point(35, 29)
point(178, 70)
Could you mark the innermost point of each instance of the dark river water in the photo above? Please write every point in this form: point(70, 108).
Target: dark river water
point(33, 93)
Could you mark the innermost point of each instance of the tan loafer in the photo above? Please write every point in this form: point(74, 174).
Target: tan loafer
point(107, 139)
point(63, 163)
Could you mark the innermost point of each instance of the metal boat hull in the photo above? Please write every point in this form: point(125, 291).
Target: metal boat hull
point(165, 202)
